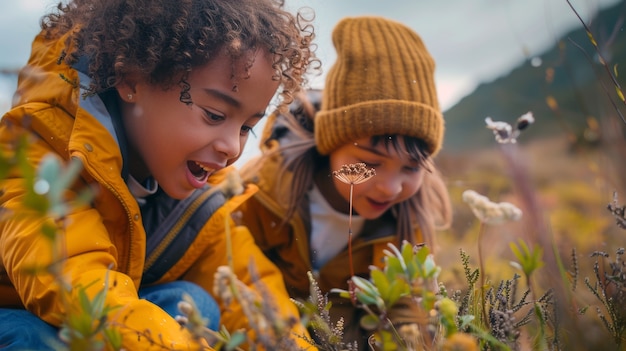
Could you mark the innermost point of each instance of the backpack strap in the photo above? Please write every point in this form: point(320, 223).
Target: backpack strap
point(176, 224)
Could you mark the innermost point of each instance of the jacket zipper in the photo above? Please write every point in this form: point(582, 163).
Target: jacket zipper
point(171, 234)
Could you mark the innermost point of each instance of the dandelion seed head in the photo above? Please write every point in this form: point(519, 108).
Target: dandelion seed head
point(354, 173)
point(510, 212)
point(490, 212)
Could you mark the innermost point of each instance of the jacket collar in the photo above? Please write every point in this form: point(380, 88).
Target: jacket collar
point(104, 107)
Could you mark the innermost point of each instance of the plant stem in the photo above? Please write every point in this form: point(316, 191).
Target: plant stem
point(481, 265)
point(350, 233)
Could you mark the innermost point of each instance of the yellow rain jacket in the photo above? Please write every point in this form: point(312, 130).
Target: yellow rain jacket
point(106, 237)
point(288, 245)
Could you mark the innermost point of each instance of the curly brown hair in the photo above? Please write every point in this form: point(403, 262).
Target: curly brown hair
point(163, 40)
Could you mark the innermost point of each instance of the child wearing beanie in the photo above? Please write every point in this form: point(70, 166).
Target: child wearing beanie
point(378, 107)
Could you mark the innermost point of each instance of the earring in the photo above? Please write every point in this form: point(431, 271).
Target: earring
point(129, 96)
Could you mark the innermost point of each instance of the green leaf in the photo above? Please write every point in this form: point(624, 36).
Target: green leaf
point(407, 252)
point(398, 288)
point(365, 285)
point(422, 253)
point(114, 338)
point(380, 281)
point(393, 267)
point(370, 322)
point(528, 260)
point(431, 270)
point(343, 293)
point(465, 321)
point(235, 340)
point(97, 304)
point(366, 298)
point(83, 300)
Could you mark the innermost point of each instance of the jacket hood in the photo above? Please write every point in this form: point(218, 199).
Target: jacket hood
point(45, 78)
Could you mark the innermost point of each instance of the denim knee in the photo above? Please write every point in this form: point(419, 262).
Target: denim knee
point(22, 330)
point(168, 295)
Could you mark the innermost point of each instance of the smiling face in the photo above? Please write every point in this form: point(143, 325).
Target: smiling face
point(398, 177)
point(181, 145)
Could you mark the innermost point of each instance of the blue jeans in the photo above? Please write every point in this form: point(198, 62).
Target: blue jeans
point(22, 330)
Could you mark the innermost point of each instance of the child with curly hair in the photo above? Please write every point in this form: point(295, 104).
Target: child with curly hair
point(154, 98)
point(379, 108)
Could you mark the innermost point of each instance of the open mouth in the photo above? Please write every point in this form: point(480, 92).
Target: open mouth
point(199, 171)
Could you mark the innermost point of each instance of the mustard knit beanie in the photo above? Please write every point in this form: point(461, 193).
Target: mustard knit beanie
point(381, 84)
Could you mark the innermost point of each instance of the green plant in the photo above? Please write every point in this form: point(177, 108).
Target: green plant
point(529, 260)
point(408, 281)
point(609, 288)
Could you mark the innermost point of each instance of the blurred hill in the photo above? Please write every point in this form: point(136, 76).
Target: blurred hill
point(569, 74)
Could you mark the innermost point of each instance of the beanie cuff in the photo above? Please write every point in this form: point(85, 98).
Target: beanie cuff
point(337, 127)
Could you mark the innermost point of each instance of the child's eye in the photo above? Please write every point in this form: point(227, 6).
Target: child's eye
point(245, 130)
point(412, 169)
point(211, 117)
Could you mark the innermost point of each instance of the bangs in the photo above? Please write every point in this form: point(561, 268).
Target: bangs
point(415, 147)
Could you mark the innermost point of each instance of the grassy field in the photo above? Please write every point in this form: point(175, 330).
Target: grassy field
point(563, 189)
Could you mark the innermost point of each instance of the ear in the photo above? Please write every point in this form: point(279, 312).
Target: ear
point(127, 89)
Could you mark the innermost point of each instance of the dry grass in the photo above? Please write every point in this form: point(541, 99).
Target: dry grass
point(571, 187)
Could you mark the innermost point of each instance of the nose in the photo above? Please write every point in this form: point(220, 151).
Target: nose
point(388, 185)
point(228, 143)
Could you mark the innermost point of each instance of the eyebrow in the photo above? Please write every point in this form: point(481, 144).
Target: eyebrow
point(229, 100)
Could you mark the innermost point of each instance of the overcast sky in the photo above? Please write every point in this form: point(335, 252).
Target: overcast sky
point(472, 41)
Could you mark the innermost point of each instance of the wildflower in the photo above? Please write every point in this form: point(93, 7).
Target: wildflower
point(505, 133)
point(192, 318)
point(619, 212)
point(490, 212)
point(222, 287)
point(354, 173)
